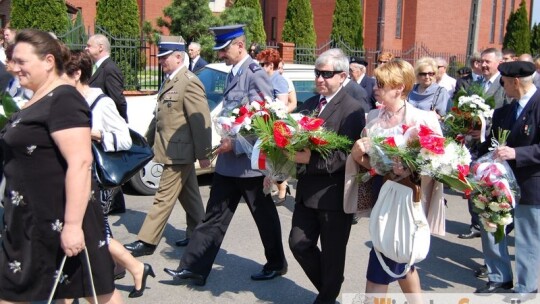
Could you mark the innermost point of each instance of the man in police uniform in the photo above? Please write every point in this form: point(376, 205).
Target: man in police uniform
point(180, 133)
point(234, 177)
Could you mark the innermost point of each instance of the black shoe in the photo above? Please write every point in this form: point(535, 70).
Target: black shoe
point(135, 293)
point(481, 272)
point(493, 287)
point(140, 248)
point(185, 274)
point(182, 242)
point(120, 275)
point(473, 233)
point(268, 274)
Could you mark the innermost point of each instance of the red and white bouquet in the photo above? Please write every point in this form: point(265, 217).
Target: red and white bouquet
point(281, 137)
point(495, 195)
point(471, 111)
point(235, 119)
point(423, 152)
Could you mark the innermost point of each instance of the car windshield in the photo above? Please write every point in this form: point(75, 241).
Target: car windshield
point(214, 84)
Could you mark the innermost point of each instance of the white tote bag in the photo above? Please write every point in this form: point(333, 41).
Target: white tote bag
point(398, 227)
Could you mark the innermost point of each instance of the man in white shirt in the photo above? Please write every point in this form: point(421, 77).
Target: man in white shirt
point(196, 62)
point(445, 81)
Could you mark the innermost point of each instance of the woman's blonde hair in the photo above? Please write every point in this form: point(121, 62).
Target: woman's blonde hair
point(396, 73)
point(425, 62)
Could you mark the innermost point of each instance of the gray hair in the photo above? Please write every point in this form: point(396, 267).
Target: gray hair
point(496, 52)
point(441, 61)
point(334, 57)
point(196, 45)
point(425, 62)
point(102, 40)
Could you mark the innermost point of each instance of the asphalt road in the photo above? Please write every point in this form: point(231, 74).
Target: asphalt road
point(448, 268)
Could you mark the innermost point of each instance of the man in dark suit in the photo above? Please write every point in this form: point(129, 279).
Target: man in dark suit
point(180, 134)
point(357, 92)
point(522, 152)
point(319, 212)
point(475, 76)
point(107, 76)
point(196, 62)
point(357, 68)
point(234, 179)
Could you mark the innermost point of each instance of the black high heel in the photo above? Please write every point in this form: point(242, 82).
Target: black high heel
point(282, 200)
point(135, 293)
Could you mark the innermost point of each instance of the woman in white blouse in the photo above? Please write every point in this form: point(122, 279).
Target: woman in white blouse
point(111, 130)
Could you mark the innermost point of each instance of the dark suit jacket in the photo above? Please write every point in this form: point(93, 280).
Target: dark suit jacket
point(198, 65)
point(464, 82)
point(108, 77)
point(357, 92)
point(525, 139)
point(368, 83)
point(498, 93)
point(321, 184)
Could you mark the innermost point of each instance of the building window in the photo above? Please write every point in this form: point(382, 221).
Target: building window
point(399, 16)
point(274, 28)
point(493, 21)
point(503, 21)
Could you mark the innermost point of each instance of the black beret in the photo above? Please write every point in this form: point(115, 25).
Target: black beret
point(358, 60)
point(517, 68)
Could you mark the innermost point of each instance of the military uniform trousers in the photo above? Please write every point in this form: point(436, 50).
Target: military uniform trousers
point(177, 182)
point(225, 195)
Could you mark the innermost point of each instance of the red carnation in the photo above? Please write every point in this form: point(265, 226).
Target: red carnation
point(318, 141)
point(282, 134)
point(390, 141)
point(310, 123)
point(434, 144)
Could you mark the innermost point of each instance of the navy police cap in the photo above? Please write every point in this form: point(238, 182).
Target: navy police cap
point(225, 34)
point(169, 44)
point(517, 68)
point(358, 60)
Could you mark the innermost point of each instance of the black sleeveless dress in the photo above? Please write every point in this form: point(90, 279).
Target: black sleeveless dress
point(34, 206)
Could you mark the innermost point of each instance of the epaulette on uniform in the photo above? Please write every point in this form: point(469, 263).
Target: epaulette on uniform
point(254, 67)
point(189, 74)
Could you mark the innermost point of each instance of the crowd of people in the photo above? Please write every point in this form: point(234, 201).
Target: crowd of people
point(70, 98)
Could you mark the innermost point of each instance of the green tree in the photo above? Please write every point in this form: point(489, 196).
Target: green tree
point(535, 39)
point(298, 28)
point(241, 15)
point(119, 21)
point(347, 25)
point(191, 20)
point(46, 15)
point(75, 37)
point(255, 26)
point(518, 34)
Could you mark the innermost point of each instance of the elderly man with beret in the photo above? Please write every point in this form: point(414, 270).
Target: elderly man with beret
point(522, 152)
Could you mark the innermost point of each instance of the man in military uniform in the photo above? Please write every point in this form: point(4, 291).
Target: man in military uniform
point(234, 177)
point(180, 133)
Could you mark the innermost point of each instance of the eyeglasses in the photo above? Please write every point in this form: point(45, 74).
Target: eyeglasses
point(326, 74)
point(262, 64)
point(382, 61)
point(441, 66)
point(380, 84)
point(431, 74)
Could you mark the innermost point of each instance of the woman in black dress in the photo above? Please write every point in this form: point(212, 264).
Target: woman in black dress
point(50, 208)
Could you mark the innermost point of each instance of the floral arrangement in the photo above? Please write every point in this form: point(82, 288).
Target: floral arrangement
point(423, 152)
point(236, 121)
point(280, 138)
point(471, 111)
point(7, 108)
point(496, 191)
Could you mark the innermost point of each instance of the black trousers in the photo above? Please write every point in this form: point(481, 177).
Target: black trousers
point(325, 266)
point(225, 195)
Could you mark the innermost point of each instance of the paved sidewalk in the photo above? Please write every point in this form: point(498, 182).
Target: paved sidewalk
point(448, 268)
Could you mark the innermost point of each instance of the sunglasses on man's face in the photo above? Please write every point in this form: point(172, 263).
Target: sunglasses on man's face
point(326, 74)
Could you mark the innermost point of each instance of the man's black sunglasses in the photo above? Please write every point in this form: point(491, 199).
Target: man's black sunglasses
point(326, 74)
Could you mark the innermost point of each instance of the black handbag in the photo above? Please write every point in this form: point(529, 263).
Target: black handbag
point(114, 169)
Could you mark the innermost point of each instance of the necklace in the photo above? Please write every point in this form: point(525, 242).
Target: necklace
point(389, 114)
